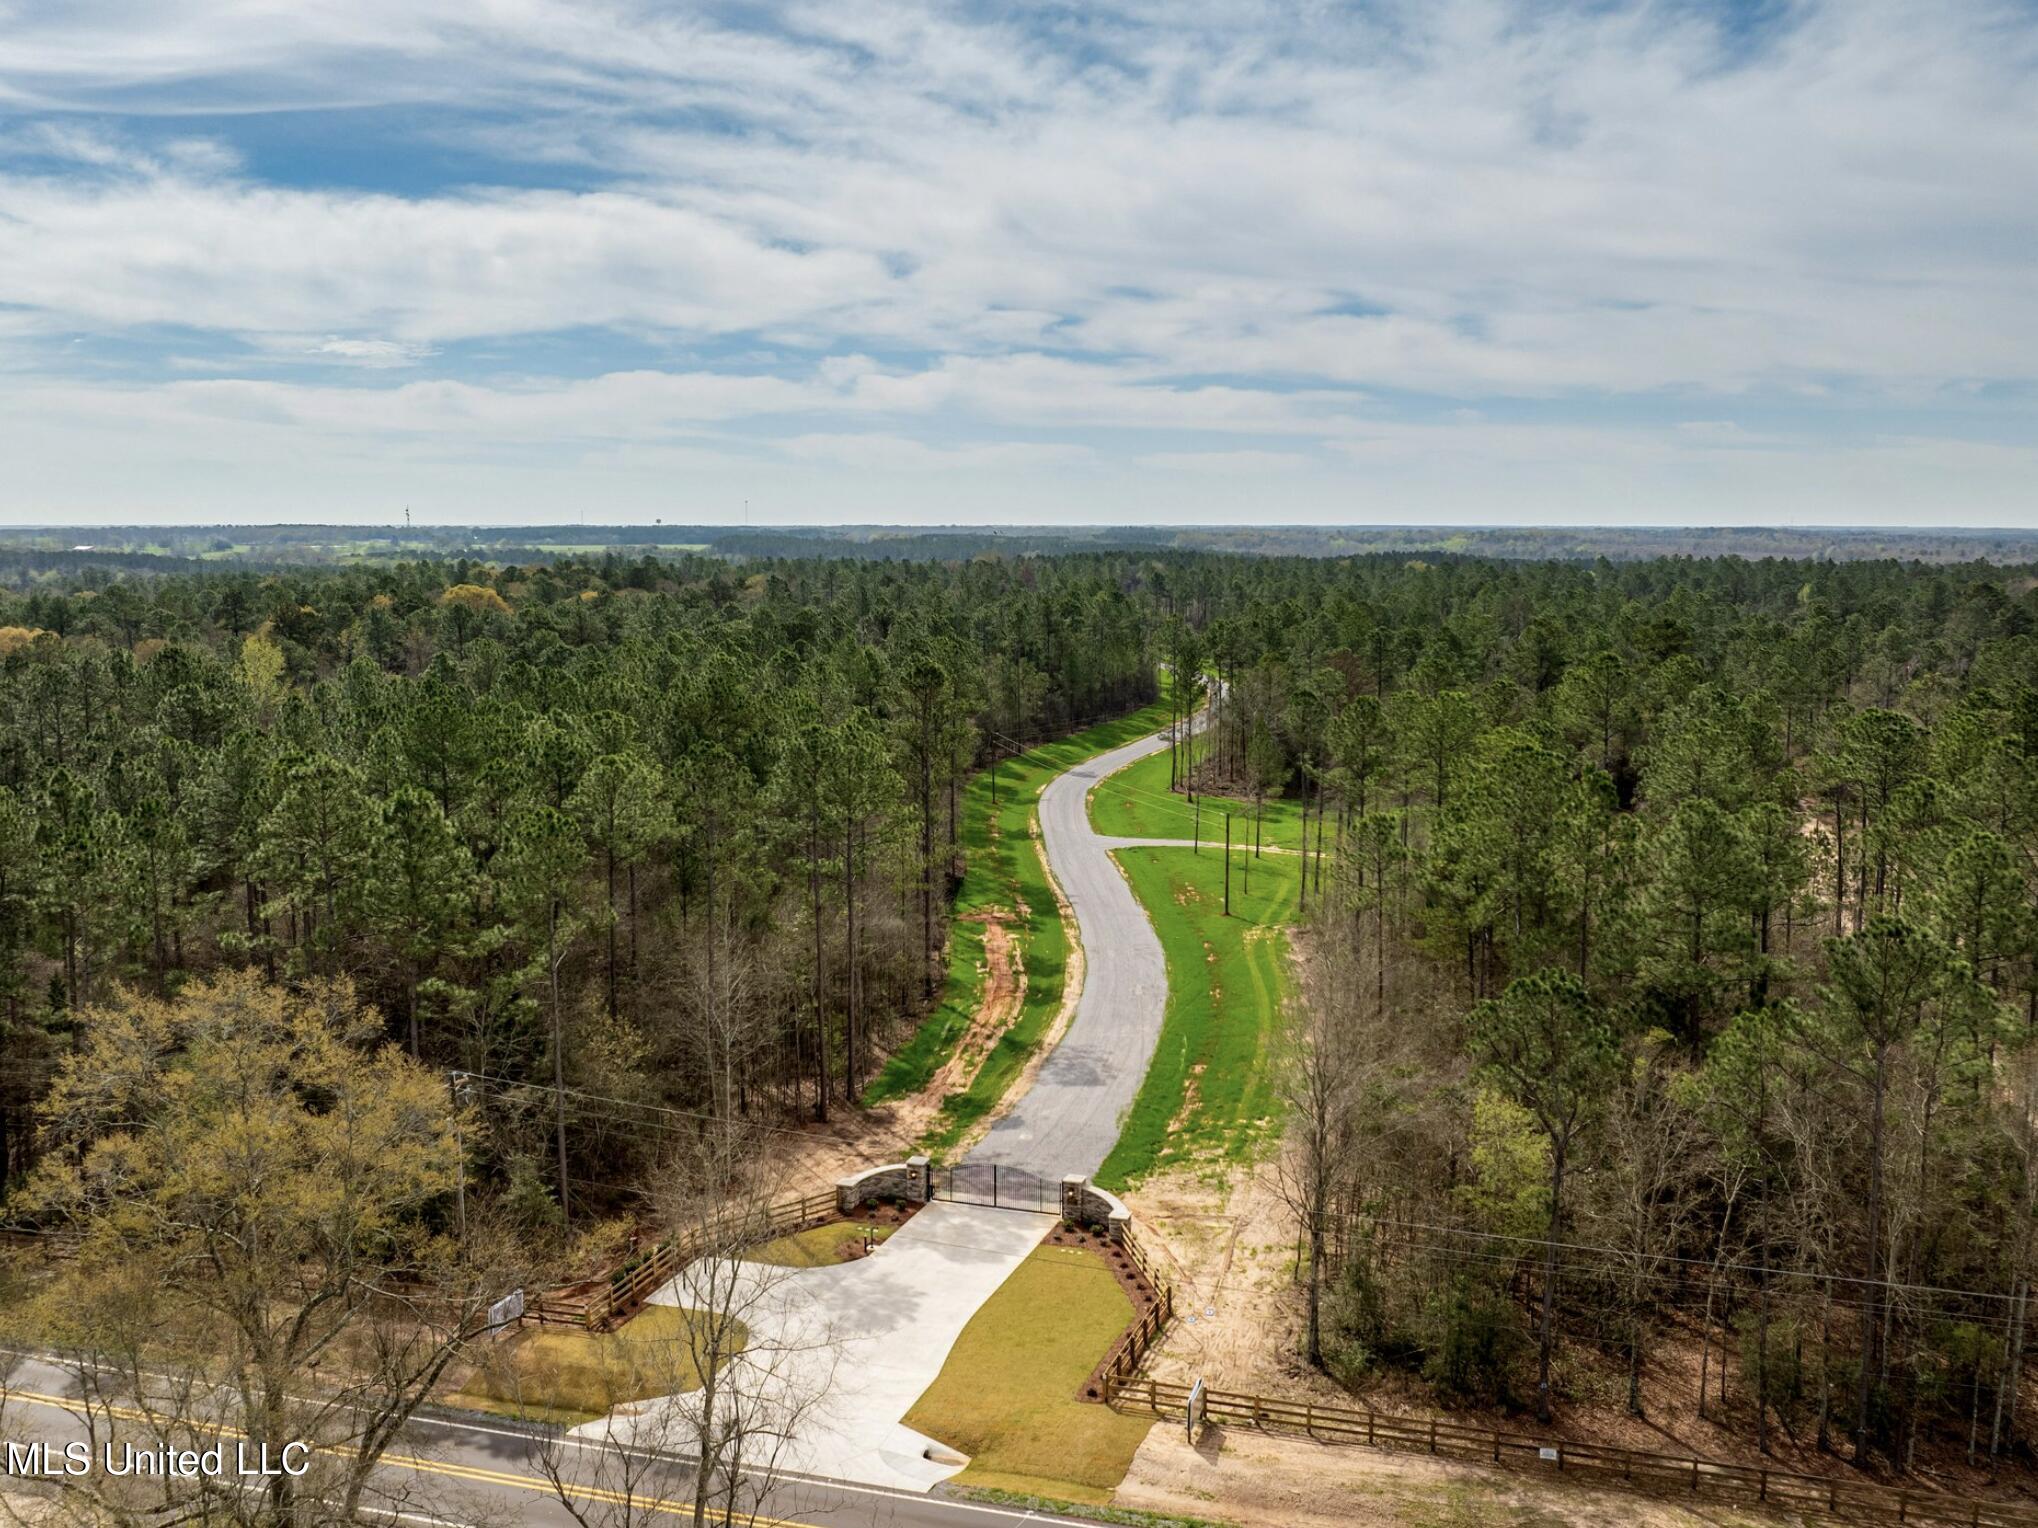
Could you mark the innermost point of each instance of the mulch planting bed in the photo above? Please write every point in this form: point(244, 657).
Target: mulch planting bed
point(1142, 1295)
point(887, 1216)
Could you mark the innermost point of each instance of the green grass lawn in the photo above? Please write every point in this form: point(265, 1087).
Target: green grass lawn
point(815, 1247)
point(1007, 1395)
point(1003, 872)
point(911, 1067)
point(561, 1374)
point(1136, 803)
point(1210, 1091)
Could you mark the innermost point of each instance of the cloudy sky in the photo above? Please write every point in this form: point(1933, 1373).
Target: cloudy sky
point(1452, 260)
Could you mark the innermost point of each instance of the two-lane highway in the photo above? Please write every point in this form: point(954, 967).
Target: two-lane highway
point(454, 1470)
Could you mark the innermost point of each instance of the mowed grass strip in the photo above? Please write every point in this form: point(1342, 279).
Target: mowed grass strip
point(561, 1374)
point(817, 1246)
point(1007, 1395)
point(1210, 1094)
point(913, 1065)
point(1136, 803)
point(1004, 871)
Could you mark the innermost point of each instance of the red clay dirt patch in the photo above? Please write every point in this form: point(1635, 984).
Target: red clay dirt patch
point(1004, 992)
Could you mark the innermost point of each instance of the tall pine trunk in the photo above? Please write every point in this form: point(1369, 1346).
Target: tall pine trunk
point(558, 1057)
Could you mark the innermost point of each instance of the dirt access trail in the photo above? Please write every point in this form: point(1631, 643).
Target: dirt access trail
point(1067, 1122)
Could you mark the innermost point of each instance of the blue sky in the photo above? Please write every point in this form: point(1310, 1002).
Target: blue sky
point(1464, 261)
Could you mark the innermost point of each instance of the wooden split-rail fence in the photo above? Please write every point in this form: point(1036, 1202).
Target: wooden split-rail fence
point(631, 1285)
point(1131, 1349)
point(59, 1245)
point(1589, 1463)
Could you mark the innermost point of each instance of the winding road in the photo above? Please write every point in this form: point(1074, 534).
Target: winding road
point(1068, 1121)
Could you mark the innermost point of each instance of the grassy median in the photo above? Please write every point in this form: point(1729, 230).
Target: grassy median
point(1007, 1395)
point(1210, 1092)
point(818, 1246)
point(1136, 803)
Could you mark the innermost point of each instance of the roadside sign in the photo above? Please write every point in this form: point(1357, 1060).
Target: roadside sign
point(1196, 1408)
point(507, 1309)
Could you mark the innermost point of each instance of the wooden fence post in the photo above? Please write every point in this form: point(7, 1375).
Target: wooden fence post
point(1706, 1481)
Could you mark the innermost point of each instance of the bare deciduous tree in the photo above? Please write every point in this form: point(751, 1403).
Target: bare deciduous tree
point(749, 1362)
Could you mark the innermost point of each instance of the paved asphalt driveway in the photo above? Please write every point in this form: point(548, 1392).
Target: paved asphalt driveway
point(1068, 1121)
point(890, 1320)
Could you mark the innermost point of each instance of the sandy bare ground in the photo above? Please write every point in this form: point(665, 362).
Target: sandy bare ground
point(1256, 1479)
point(1228, 1248)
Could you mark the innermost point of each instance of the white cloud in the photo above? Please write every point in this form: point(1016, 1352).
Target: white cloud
point(375, 353)
point(899, 453)
point(251, 260)
point(1176, 238)
point(1243, 463)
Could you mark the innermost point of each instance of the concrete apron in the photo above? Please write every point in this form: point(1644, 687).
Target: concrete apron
point(867, 1337)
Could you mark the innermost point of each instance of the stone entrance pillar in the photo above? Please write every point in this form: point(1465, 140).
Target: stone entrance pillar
point(1073, 1187)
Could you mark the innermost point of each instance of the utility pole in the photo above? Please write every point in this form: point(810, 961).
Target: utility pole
point(1303, 905)
point(552, 959)
point(453, 1080)
point(1227, 864)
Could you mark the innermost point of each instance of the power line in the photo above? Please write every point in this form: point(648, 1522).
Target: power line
point(1537, 1245)
point(548, 1091)
point(1693, 1289)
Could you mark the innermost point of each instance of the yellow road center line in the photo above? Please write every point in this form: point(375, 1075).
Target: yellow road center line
point(479, 1474)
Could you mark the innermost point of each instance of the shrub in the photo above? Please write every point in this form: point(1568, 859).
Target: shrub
point(1782, 1377)
point(1474, 1342)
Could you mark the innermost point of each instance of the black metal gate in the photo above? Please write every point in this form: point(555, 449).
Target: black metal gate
point(999, 1185)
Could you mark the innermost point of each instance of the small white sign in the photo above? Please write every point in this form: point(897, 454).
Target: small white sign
point(1547, 1453)
point(507, 1309)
